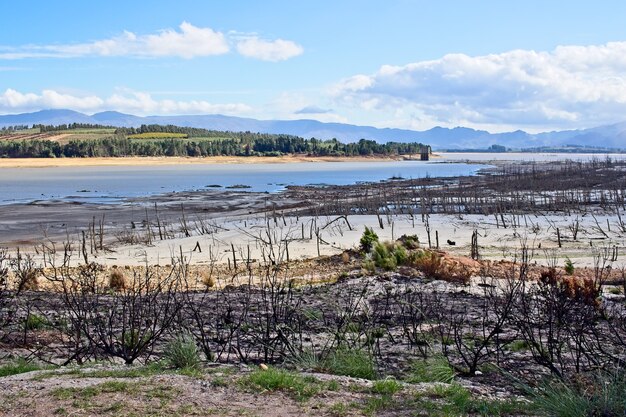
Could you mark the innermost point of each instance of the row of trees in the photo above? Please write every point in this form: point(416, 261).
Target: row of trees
point(9, 129)
point(70, 126)
point(273, 145)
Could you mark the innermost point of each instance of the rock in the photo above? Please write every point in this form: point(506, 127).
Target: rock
point(263, 367)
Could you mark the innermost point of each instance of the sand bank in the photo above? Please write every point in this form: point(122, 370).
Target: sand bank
point(174, 160)
point(244, 234)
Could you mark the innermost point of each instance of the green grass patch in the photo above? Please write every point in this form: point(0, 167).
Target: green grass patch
point(386, 387)
point(87, 393)
point(519, 346)
point(455, 400)
point(601, 394)
point(182, 352)
point(35, 322)
point(274, 379)
point(20, 366)
point(351, 362)
point(433, 369)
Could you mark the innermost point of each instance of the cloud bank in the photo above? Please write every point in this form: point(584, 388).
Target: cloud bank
point(138, 103)
point(571, 86)
point(188, 42)
point(278, 50)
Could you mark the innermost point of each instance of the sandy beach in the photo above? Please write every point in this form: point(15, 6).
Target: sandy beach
point(174, 160)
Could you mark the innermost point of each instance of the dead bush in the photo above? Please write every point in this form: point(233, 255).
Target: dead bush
point(345, 257)
point(117, 280)
point(436, 266)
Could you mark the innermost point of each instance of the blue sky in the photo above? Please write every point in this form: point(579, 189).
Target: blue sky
point(495, 65)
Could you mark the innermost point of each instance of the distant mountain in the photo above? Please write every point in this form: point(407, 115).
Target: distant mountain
point(610, 136)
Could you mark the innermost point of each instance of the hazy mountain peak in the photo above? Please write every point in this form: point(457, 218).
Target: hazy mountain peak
point(438, 137)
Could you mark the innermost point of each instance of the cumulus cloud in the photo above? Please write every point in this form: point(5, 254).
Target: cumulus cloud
point(187, 42)
point(571, 86)
point(276, 50)
point(139, 103)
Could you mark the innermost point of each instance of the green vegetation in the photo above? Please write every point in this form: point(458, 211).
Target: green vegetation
point(368, 239)
point(455, 400)
point(156, 140)
point(569, 266)
point(350, 362)
point(157, 135)
point(389, 255)
point(76, 127)
point(388, 386)
point(92, 391)
point(433, 369)
point(274, 379)
point(601, 394)
point(519, 346)
point(20, 366)
point(35, 322)
point(182, 352)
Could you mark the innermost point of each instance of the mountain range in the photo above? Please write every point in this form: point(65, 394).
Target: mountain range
point(608, 136)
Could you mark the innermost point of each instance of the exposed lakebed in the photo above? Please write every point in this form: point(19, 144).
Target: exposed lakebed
point(101, 184)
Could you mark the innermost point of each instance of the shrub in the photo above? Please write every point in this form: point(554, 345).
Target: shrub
point(601, 394)
point(208, 280)
point(182, 352)
point(351, 362)
point(345, 257)
point(383, 258)
point(569, 266)
point(369, 266)
point(387, 256)
point(434, 266)
point(433, 369)
point(584, 291)
point(410, 241)
point(400, 254)
point(117, 280)
point(35, 322)
point(368, 239)
point(388, 386)
point(430, 263)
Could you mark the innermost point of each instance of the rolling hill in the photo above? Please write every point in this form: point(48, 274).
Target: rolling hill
point(610, 136)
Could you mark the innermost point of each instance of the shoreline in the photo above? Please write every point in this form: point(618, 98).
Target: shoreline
point(176, 160)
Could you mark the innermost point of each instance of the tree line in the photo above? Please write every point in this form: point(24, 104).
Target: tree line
point(228, 144)
point(71, 126)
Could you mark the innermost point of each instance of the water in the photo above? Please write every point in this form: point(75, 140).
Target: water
point(113, 184)
point(524, 156)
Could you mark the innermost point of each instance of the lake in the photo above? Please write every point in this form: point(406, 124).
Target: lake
point(114, 184)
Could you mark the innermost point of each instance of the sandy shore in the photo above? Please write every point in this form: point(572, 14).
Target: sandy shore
point(174, 160)
point(244, 233)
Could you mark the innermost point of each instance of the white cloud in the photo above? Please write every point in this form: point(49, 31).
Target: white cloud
point(276, 50)
point(139, 103)
point(187, 42)
point(572, 86)
point(313, 109)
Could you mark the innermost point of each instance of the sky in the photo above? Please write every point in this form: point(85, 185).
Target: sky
point(492, 65)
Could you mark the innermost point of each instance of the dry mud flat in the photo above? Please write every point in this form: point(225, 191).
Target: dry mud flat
point(558, 210)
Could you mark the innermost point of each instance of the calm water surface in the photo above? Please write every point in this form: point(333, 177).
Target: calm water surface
point(111, 184)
